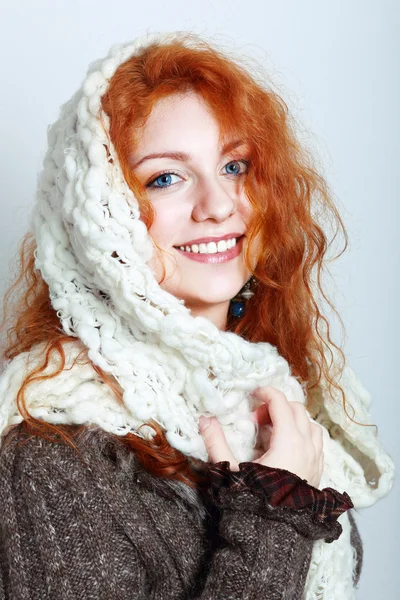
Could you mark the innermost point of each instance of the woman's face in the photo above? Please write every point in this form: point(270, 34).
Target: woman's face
point(200, 207)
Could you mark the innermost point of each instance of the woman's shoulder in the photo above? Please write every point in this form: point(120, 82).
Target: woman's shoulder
point(91, 449)
point(96, 461)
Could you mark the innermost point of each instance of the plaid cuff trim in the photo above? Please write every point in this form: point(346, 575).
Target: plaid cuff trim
point(281, 487)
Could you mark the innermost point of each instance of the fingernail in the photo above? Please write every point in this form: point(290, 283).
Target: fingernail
point(204, 422)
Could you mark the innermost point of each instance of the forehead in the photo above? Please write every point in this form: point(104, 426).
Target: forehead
point(181, 122)
point(178, 113)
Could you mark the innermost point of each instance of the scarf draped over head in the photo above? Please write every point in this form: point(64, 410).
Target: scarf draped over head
point(93, 252)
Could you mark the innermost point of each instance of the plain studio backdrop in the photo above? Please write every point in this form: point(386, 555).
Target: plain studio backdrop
point(336, 64)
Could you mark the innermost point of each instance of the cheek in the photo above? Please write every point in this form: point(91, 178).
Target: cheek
point(166, 226)
point(246, 209)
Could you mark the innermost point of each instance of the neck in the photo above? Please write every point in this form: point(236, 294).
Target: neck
point(216, 313)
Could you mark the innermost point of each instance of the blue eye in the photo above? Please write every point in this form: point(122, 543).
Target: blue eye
point(232, 162)
point(165, 177)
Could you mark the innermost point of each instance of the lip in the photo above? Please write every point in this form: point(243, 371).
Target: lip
point(217, 258)
point(206, 240)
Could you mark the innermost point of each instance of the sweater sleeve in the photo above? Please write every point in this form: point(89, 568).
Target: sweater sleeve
point(282, 488)
point(269, 520)
point(62, 539)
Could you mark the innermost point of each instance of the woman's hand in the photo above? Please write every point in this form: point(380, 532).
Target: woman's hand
point(295, 441)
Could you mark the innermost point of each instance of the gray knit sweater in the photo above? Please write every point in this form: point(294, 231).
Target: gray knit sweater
point(105, 528)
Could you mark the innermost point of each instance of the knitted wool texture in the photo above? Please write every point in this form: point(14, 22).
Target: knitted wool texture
point(93, 252)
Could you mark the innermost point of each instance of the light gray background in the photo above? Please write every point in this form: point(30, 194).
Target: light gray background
point(337, 65)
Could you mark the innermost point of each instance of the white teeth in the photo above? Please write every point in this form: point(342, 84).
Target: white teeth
point(222, 246)
point(211, 247)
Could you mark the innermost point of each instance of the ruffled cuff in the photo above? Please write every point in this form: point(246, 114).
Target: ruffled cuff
point(280, 487)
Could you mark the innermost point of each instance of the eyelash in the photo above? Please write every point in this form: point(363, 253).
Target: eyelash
point(150, 184)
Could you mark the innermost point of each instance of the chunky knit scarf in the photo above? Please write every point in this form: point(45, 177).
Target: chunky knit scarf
point(93, 252)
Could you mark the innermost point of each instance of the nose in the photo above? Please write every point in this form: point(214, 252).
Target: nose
point(214, 201)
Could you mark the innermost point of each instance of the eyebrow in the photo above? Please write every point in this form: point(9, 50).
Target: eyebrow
point(183, 156)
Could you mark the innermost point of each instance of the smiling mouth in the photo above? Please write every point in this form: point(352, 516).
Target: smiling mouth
point(220, 247)
point(214, 256)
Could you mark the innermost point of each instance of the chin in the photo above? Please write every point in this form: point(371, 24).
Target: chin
point(211, 299)
point(210, 289)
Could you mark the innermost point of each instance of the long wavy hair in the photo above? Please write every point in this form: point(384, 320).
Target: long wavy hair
point(288, 196)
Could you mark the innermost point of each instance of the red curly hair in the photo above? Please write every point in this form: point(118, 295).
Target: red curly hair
point(284, 189)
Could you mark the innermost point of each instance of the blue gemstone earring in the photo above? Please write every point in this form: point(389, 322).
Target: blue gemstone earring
point(237, 307)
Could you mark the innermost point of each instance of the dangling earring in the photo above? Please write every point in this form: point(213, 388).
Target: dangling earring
point(237, 306)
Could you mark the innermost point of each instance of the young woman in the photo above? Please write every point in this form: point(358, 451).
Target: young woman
point(171, 424)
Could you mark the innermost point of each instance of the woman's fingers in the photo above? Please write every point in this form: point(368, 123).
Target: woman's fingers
point(293, 440)
point(296, 440)
point(216, 444)
point(274, 403)
point(275, 410)
point(301, 418)
point(317, 436)
point(261, 415)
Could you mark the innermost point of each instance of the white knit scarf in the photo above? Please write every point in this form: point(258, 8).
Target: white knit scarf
point(160, 354)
